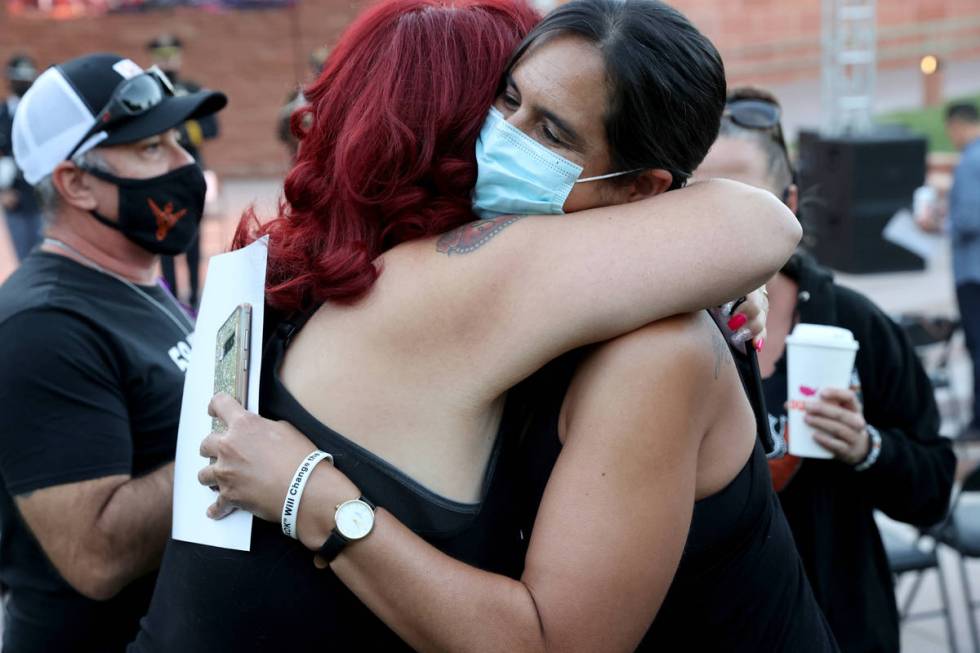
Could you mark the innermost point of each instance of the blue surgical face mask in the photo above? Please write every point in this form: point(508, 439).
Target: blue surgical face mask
point(516, 175)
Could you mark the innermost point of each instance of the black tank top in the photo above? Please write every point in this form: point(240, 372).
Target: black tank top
point(740, 585)
point(212, 600)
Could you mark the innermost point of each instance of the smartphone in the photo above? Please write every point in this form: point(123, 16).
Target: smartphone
point(231, 354)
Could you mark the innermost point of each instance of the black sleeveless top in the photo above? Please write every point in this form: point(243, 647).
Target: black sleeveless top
point(272, 598)
point(740, 585)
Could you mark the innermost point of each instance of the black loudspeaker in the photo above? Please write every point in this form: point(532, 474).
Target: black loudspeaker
point(850, 187)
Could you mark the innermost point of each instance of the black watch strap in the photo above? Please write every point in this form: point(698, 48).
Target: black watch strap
point(333, 546)
point(336, 542)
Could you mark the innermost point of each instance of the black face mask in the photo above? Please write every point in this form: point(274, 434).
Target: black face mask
point(18, 87)
point(160, 214)
point(172, 75)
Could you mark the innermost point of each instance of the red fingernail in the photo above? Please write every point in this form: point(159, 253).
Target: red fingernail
point(737, 322)
point(760, 343)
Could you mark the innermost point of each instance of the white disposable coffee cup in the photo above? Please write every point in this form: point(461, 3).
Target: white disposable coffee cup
point(924, 201)
point(818, 357)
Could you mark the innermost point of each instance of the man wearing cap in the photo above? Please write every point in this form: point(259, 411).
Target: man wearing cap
point(16, 195)
point(963, 129)
point(167, 53)
point(94, 353)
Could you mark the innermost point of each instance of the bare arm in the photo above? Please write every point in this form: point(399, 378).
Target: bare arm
point(608, 536)
point(530, 289)
point(103, 533)
point(672, 254)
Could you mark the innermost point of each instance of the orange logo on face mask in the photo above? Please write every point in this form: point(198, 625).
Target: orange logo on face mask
point(166, 218)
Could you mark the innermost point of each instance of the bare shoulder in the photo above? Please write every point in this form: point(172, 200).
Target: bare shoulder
point(471, 258)
point(649, 374)
point(687, 343)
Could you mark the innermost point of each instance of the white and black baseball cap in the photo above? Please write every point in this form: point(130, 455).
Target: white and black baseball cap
point(21, 68)
point(63, 111)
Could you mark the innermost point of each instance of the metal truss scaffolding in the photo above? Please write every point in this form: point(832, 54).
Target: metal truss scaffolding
point(848, 44)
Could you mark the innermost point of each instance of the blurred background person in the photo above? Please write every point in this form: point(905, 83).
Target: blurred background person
point(296, 100)
point(16, 195)
point(883, 432)
point(963, 128)
point(167, 53)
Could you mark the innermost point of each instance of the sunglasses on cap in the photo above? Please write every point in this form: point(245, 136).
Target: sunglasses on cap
point(753, 114)
point(762, 115)
point(132, 98)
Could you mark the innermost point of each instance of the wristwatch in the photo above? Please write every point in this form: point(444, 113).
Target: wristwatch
point(353, 521)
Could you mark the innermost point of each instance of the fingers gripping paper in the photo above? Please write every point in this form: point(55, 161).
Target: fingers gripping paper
point(233, 279)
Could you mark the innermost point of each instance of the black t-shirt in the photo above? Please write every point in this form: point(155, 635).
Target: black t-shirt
point(90, 386)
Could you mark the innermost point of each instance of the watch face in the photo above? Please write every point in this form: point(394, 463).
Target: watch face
point(355, 519)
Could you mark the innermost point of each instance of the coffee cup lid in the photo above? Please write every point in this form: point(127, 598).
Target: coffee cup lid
point(822, 335)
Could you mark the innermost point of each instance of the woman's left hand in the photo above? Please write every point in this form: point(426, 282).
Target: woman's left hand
point(254, 461)
point(748, 320)
point(838, 419)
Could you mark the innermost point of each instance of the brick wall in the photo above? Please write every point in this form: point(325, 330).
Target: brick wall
point(256, 57)
point(779, 40)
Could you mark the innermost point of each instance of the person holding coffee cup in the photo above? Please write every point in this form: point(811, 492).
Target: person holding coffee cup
point(843, 383)
point(820, 363)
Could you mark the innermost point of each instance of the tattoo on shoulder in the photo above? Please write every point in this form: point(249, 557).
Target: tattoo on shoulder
point(474, 235)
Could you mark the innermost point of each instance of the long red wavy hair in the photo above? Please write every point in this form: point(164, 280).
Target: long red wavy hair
point(387, 153)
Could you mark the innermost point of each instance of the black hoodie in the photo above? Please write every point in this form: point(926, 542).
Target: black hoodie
point(829, 505)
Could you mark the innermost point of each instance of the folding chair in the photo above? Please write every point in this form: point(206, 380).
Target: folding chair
point(907, 556)
point(961, 532)
point(925, 333)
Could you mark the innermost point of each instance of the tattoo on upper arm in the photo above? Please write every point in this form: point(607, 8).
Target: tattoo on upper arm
point(474, 235)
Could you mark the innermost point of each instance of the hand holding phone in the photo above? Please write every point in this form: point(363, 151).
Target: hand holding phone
point(231, 358)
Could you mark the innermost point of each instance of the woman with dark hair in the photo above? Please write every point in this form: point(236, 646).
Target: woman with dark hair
point(883, 432)
point(410, 364)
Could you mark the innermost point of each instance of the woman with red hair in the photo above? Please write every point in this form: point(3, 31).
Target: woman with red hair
point(387, 143)
point(406, 341)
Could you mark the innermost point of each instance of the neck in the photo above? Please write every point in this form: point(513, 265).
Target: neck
point(785, 290)
point(103, 246)
point(971, 136)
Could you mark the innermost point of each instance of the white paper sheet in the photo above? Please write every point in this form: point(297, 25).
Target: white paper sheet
point(234, 278)
point(904, 232)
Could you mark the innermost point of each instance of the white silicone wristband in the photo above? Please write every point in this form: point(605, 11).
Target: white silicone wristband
point(290, 507)
point(873, 452)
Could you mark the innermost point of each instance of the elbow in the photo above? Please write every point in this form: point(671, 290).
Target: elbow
point(925, 516)
point(929, 505)
point(792, 232)
point(525, 625)
point(781, 229)
point(96, 581)
point(763, 225)
point(96, 571)
point(936, 510)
